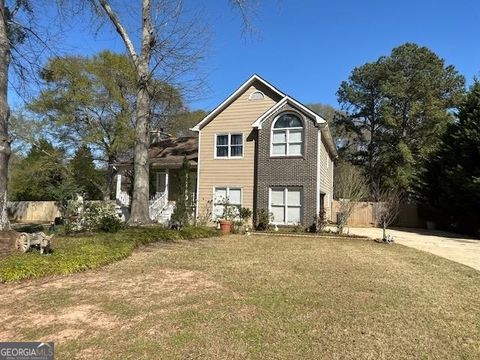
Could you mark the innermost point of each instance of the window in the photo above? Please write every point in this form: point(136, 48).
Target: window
point(287, 136)
point(256, 96)
point(223, 194)
point(229, 146)
point(286, 205)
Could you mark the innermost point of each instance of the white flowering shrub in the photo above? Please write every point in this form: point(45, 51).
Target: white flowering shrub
point(92, 216)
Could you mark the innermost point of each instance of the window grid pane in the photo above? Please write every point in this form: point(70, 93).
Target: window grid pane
point(236, 151)
point(279, 149)
point(278, 214)
point(222, 151)
point(235, 196)
point(293, 214)
point(294, 197)
point(278, 197)
point(279, 137)
point(236, 139)
point(295, 136)
point(295, 149)
point(222, 139)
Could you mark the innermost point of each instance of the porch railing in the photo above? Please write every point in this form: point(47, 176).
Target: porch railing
point(157, 204)
point(123, 199)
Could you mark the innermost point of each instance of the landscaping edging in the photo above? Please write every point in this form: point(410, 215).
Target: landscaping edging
point(317, 236)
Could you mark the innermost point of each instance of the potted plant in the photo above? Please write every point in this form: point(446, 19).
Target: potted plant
point(225, 220)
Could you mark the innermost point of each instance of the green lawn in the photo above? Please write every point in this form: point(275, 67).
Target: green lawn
point(260, 297)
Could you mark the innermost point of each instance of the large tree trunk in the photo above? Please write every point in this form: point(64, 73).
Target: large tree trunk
point(139, 212)
point(4, 116)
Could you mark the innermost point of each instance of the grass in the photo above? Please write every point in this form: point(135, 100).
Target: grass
point(259, 297)
point(77, 253)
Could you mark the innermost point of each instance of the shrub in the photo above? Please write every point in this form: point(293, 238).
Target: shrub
point(263, 218)
point(320, 222)
point(110, 223)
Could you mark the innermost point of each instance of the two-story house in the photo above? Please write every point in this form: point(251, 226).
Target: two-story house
point(262, 149)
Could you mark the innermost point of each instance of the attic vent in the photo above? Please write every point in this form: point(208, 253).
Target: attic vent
point(256, 95)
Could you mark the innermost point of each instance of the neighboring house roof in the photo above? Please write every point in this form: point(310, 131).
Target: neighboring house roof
point(172, 151)
point(233, 97)
point(169, 153)
point(287, 99)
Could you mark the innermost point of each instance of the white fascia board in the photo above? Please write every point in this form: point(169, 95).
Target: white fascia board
point(258, 123)
point(232, 97)
point(318, 119)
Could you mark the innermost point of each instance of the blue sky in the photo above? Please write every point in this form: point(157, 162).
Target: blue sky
point(306, 48)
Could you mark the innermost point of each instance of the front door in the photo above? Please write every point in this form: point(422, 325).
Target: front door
point(161, 182)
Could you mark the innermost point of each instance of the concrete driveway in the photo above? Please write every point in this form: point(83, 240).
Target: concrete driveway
point(441, 243)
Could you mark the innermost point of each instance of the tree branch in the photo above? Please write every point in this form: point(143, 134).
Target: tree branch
point(120, 29)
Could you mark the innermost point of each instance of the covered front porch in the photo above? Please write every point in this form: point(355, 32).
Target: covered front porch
point(166, 166)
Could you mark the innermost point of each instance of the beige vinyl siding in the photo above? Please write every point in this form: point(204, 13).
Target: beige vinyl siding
point(326, 176)
point(236, 118)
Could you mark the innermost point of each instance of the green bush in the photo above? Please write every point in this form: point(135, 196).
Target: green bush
point(263, 218)
point(78, 253)
point(110, 224)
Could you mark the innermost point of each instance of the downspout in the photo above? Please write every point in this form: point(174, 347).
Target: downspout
point(198, 175)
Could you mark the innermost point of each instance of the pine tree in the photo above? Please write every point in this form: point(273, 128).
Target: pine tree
point(451, 181)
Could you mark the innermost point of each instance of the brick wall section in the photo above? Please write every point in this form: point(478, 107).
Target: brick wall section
point(298, 171)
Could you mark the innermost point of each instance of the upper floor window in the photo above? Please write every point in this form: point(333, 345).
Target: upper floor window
point(229, 146)
point(256, 95)
point(287, 136)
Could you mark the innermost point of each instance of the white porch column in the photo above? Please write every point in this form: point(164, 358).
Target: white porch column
point(119, 186)
point(166, 183)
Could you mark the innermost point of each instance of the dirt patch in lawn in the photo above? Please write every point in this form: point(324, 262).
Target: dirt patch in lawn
point(65, 308)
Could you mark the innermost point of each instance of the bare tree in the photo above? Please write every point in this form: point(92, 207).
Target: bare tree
point(4, 115)
point(24, 43)
point(387, 207)
point(167, 45)
point(350, 186)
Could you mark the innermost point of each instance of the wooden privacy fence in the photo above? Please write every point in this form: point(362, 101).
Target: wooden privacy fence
point(364, 214)
point(33, 211)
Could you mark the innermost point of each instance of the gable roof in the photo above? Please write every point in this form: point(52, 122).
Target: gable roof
point(233, 97)
point(287, 99)
point(258, 123)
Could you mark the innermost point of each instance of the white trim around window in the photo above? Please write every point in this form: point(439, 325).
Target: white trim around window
point(286, 205)
point(234, 195)
point(287, 141)
point(228, 146)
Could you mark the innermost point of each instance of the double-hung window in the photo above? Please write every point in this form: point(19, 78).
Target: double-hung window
point(229, 146)
point(286, 205)
point(287, 136)
point(226, 199)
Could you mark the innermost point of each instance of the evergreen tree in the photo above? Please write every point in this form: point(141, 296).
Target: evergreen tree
point(184, 207)
point(451, 181)
point(398, 107)
point(87, 177)
point(38, 174)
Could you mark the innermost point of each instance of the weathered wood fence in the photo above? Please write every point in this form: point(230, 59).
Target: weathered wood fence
point(364, 215)
point(33, 211)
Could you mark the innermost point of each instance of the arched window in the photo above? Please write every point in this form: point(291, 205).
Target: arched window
point(256, 96)
point(287, 136)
